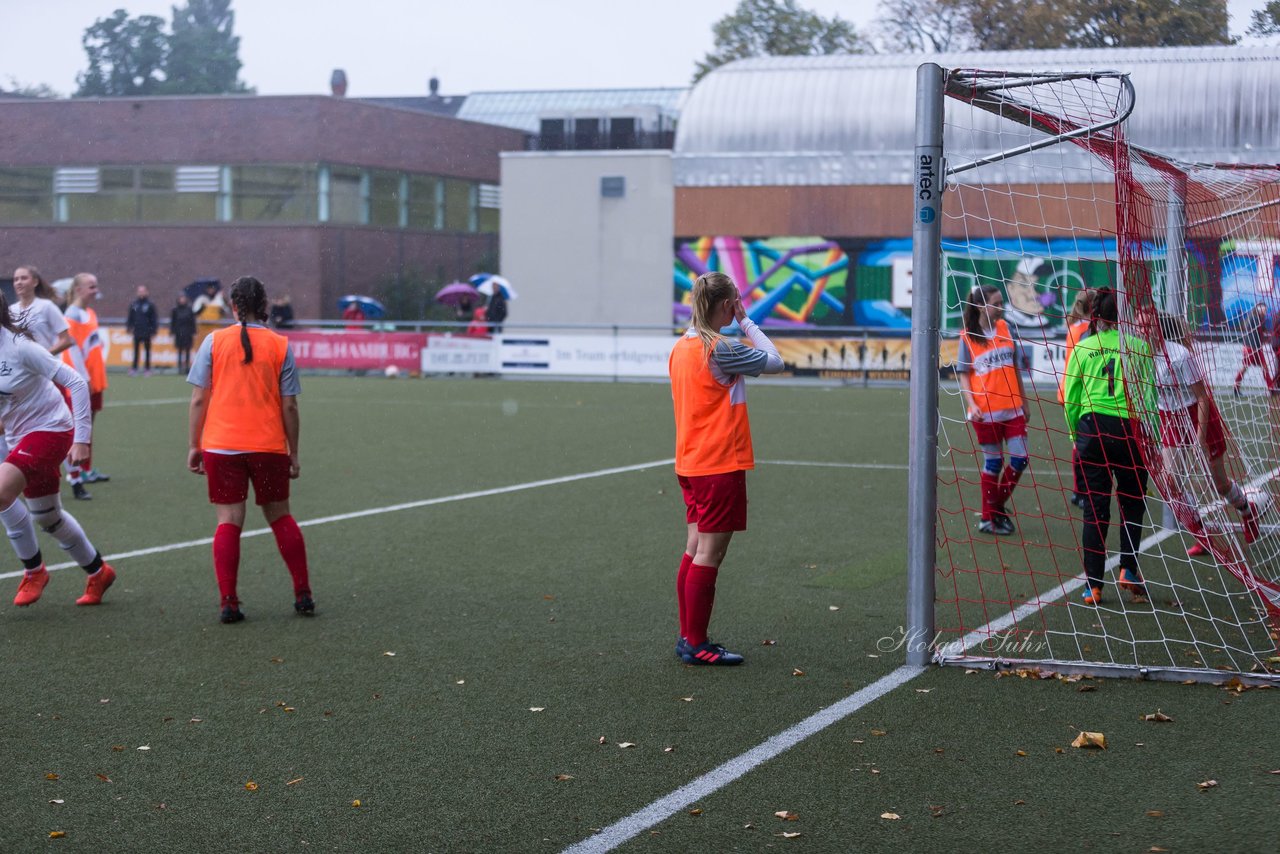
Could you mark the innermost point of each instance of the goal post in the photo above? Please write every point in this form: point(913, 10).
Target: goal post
point(1026, 184)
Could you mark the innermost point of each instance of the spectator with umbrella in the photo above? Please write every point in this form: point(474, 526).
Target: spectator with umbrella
point(499, 292)
point(357, 308)
point(462, 297)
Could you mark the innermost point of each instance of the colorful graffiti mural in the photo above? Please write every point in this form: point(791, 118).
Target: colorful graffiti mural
point(793, 281)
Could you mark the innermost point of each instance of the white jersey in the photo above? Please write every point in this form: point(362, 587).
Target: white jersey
point(42, 319)
point(29, 402)
point(1177, 370)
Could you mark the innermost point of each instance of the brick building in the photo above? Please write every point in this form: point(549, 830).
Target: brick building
point(318, 196)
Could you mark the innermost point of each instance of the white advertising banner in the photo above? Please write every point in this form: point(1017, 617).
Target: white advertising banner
point(585, 355)
point(459, 354)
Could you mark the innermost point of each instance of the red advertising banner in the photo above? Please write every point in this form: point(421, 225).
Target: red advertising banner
point(356, 351)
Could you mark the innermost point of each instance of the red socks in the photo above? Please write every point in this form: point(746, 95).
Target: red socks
point(226, 559)
point(1008, 481)
point(686, 561)
point(990, 486)
point(699, 597)
point(294, 551)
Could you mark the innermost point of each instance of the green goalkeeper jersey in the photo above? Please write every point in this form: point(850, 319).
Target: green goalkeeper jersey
point(1095, 378)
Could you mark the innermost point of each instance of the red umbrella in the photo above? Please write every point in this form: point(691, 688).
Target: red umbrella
point(455, 292)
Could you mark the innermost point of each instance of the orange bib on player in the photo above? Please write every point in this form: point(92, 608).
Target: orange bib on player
point(993, 378)
point(713, 435)
point(88, 342)
point(244, 400)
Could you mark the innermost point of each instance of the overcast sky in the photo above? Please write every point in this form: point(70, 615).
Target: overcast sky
point(391, 47)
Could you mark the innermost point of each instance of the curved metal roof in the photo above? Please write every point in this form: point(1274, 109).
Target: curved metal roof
point(850, 119)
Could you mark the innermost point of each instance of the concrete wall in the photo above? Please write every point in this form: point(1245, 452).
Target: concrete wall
point(575, 256)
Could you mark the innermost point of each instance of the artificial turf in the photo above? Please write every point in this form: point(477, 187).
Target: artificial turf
point(556, 598)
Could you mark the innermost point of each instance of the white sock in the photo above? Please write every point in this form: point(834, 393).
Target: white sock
point(21, 530)
point(73, 540)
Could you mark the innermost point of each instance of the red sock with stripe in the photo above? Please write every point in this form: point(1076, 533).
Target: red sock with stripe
point(990, 485)
point(699, 598)
point(1008, 481)
point(294, 551)
point(226, 559)
point(686, 561)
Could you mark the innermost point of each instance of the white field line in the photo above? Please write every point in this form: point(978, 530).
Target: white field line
point(887, 466)
point(627, 828)
point(376, 511)
point(158, 401)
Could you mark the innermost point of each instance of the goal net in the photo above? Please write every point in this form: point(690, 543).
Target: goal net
point(1046, 199)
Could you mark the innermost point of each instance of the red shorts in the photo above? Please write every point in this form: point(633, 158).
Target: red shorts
point(999, 432)
point(39, 457)
point(716, 502)
point(229, 476)
point(1182, 429)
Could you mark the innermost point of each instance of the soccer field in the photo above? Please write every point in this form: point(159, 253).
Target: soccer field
point(491, 666)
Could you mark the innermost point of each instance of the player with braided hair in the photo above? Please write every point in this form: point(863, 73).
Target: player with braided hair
point(244, 429)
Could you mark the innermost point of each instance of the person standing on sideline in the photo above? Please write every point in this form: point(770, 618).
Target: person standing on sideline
point(143, 321)
point(1107, 437)
point(496, 311)
point(182, 326)
point(43, 432)
point(713, 450)
point(244, 429)
point(989, 370)
point(87, 357)
point(354, 315)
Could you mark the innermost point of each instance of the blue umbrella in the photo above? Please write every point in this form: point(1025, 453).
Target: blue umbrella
point(371, 307)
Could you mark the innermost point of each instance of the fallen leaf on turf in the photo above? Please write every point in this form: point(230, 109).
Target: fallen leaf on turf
point(923, 690)
point(1085, 689)
point(356, 803)
point(389, 654)
point(104, 701)
point(625, 744)
point(461, 682)
point(57, 834)
point(1207, 785)
point(537, 708)
point(549, 598)
point(118, 748)
point(103, 777)
point(1021, 753)
point(671, 749)
point(1090, 739)
point(892, 816)
point(797, 672)
point(1159, 717)
point(602, 739)
point(560, 778)
point(251, 786)
point(696, 811)
point(969, 671)
point(833, 607)
point(875, 770)
point(872, 655)
point(51, 776)
point(1059, 750)
point(1155, 849)
point(290, 709)
point(294, 781)
point(786, 815)
point(687, 699)
point(57, 801)
point(277, 661)
point(767, 642)
point(748, 826)
point(878, 732)
point(1274, 772)
point(786, 835)
point(145, 747)
point(859, 741)
point(196, 721)
point(1156, 813)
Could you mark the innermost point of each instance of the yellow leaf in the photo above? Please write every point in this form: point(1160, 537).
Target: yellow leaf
point(892, 816)
point(1021, 753)
point(1158, 717)
point(57, 834)
point(786, 815)
point(1156, 813)
point(1090, 739)
point(294, 781)
point(560, 778)
point(251, 786)
point(290, 709)
point(878, 732)
point(356, 803)
point(1059, 750)
point(1207, 785)
point(625, 744)
point(696, 811)
point(51, 776)
point(277, 661)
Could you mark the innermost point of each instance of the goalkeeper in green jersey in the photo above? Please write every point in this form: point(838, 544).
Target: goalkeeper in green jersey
point(1106, 431)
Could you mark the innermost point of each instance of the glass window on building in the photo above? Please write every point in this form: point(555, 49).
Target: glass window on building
point(458, 201)
point(346, 195)
point(424, 203)
point(273, 193)
point(384, 199)
point(26, 195)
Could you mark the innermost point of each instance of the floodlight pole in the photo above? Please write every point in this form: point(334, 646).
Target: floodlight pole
point(926, 289)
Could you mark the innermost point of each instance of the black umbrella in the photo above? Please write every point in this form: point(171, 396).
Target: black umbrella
point(199, 287)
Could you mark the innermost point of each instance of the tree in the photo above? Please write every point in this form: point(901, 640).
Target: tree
point(778, 28)
point(927, 25)
point(204, 53)
point(1266, 21)
point(126, 56)
point(31, 90)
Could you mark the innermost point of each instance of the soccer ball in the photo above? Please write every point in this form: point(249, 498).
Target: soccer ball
point(1259, 499)
point(392, 372)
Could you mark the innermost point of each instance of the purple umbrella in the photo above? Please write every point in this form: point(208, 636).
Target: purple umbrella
point(456, 292)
